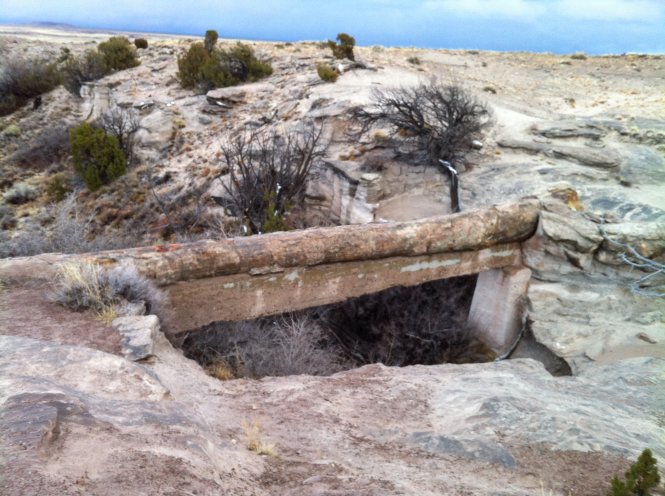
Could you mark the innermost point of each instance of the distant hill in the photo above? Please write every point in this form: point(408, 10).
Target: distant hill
point(55, 25)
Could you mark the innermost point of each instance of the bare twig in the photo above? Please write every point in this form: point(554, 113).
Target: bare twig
point(655, 270)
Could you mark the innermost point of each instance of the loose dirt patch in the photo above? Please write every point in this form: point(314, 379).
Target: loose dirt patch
point(29, 313)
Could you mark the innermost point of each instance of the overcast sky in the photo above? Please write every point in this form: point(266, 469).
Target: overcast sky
point(562, 26)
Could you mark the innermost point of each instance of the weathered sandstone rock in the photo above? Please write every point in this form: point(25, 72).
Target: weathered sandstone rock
point(138, 333)
point(74, 419)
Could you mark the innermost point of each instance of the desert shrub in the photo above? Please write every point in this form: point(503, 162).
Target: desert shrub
point(69, 232)
point(97, 157)
point(118, 53)
point(50, 146)
point(401, 326)
point(326, 72)
point(225, 67)
point(12, 131)
point(125, 281)
point(578, 56)
point(229, 67)
point(58, 187)
point(210, 40)
point(220, 370)
point(413, 60)
point(23, 79)
point(65, 54)
point(190, 64)
point(7, 217)
point(343, 49)
point(122, 124)
point(241, 63)
point(29, 241)
point(20, 193)
point(268, 175)
point(78, 70)
point(639, 480)
point(288, 345)
point(141, 43)
point(83, 286)
point(441, 121)
point(183, 211)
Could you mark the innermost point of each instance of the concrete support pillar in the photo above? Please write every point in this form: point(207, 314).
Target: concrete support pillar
point(497, 307)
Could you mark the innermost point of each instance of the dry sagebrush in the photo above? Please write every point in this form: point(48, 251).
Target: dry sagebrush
point(279, 346)
point(87, 286)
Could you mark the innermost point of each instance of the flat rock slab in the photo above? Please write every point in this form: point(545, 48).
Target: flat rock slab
point(574, 129)
point(603, 159)
point(72, 417)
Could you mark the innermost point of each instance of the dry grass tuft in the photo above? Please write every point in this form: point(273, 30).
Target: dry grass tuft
point(108, 315)
point(220, 370)
point(83, 286)
point(254, 436)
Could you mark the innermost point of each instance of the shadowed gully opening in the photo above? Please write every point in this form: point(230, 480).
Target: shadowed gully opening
point(425, 324)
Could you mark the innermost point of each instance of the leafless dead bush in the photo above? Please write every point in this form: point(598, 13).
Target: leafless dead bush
point(287, 345)
point(290, 346)
point(269, 173)
point(122, 124)
point(440, 120)
point(401, 326)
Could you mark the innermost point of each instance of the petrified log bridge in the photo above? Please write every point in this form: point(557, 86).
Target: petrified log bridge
point(249, 277)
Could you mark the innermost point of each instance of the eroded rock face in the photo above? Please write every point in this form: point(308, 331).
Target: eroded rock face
point(155, 134)
point(103, 425)
point(581, 303)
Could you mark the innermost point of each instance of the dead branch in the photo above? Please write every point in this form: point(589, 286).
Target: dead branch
point(651, 284)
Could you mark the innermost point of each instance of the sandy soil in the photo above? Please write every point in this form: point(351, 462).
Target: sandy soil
point(28, 313)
